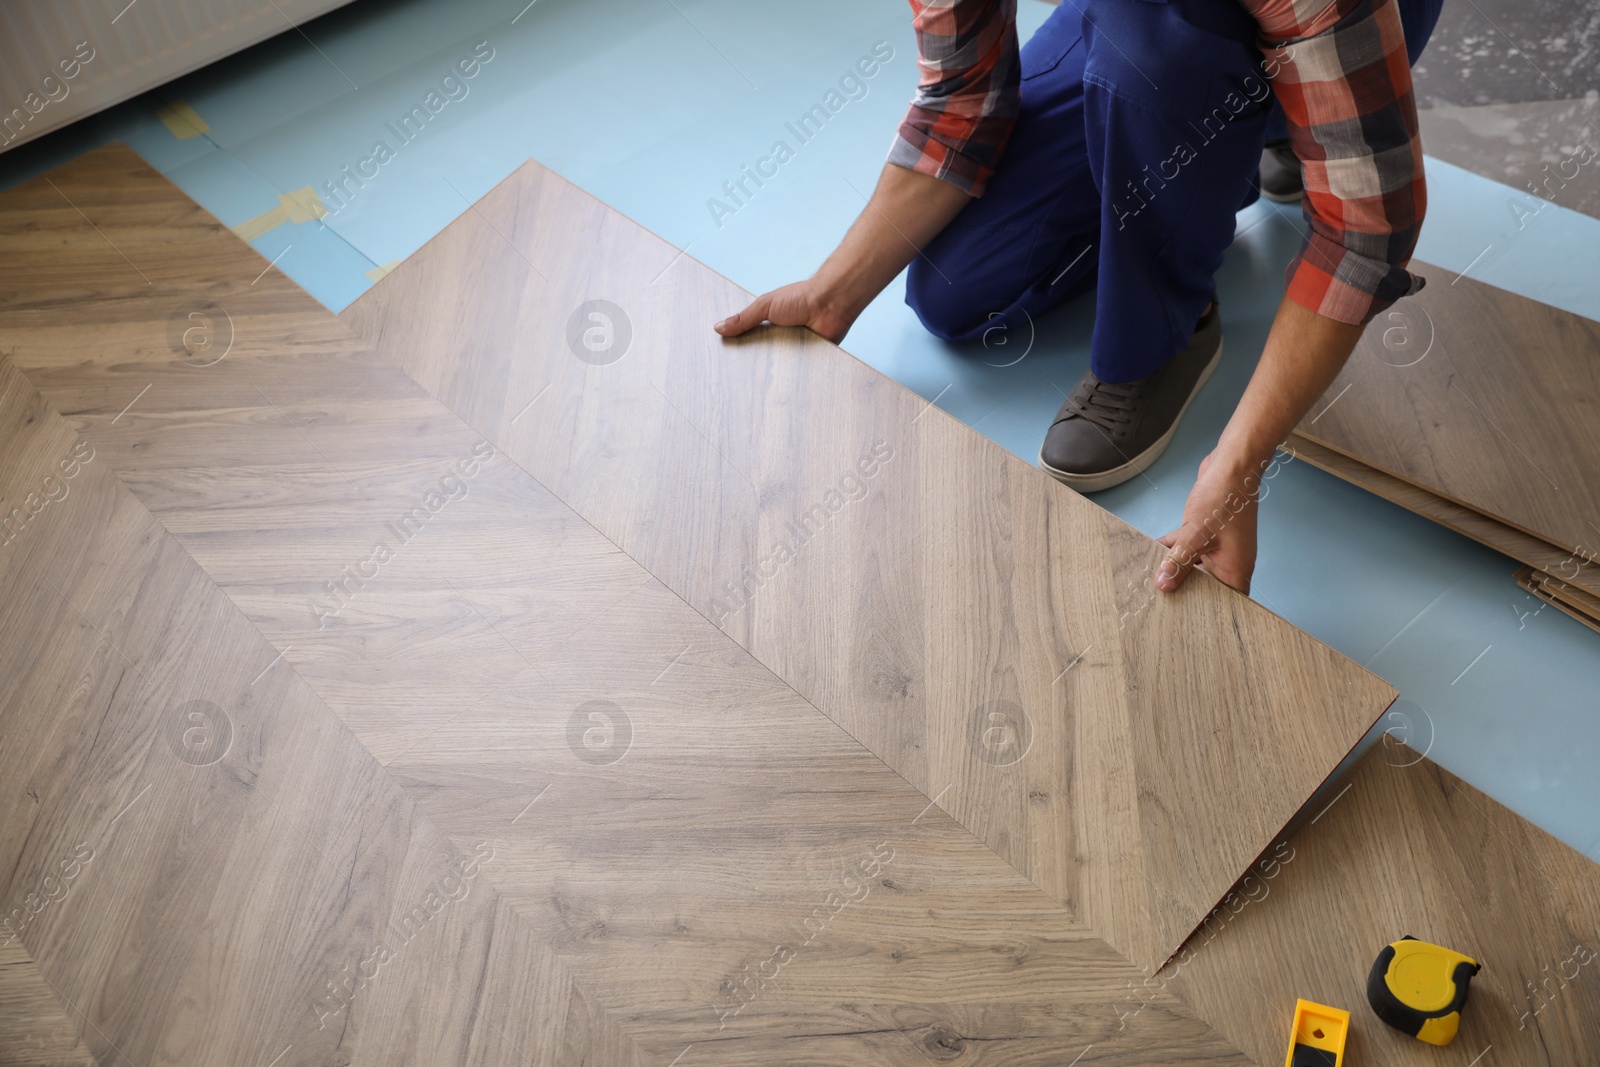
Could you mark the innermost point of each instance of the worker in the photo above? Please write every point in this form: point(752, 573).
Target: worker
point(1110, 155)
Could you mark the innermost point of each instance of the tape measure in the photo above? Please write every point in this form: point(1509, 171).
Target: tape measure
point(1420, 989)
point(1318, 1036)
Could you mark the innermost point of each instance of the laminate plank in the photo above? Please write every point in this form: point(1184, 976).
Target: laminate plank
point(34, 1028)
point(1411, 849)
point(1570, 600)
point(1570, 567)
point(1484, 398)
point(961, 583)
point(215, 853)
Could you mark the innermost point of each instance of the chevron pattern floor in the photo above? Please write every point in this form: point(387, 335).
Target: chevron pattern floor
point(431, 687)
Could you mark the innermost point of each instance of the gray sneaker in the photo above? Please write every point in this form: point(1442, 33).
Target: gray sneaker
point(1280, 176)
point(1109, 432)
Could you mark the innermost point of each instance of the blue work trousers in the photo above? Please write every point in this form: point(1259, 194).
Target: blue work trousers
point(1140, 134)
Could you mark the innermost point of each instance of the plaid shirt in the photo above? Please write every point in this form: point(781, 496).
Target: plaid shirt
point(1341, 77)
point(968, 90)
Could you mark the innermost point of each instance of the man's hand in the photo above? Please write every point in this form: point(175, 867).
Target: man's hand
point(907, 210)
point(806, 303)
point(1218, 534)
point(1303, 354)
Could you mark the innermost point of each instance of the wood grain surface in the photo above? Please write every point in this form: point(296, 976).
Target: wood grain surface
point(990, 635)
point(1484, 398)
point(1409, 849)
point(202, 861)
point(720, 867)
point(691, 862)
point(1575, 569)
point(34, 1028)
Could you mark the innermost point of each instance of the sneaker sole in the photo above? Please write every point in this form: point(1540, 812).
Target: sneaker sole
point(1093, 483)
point(1281, 198)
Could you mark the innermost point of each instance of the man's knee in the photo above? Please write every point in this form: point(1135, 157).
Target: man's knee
point(945, 307)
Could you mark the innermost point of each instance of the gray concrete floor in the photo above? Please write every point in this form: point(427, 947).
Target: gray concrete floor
point(1510, 89)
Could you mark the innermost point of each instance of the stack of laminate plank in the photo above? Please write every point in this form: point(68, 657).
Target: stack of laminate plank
point(510, 671)
point(1479, 409)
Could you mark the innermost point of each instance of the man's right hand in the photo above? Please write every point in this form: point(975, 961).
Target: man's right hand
point(806, 303)
point(907, 210)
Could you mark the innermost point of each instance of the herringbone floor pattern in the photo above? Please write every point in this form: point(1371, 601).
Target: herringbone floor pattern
point(444, 700)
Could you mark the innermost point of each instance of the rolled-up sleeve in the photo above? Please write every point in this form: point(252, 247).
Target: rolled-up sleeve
point(1339, 69)
point(967, 93)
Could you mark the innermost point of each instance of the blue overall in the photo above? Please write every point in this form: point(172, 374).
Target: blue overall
point(1093, 190)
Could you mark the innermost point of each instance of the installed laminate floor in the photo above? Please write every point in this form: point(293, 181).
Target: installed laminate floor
point(34, 1027)
point(1409, 849)
point(203, 862)
point(660, 813)
point(679, 856)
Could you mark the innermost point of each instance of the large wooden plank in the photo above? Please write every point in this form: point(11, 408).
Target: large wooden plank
point(989, 634)
point(1483, 398)
point(1570, 567)
point(1567, 581)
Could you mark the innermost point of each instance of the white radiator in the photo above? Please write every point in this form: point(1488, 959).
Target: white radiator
point(63, 59)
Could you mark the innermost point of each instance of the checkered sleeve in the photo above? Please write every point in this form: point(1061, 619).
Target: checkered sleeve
point(1339, 69)
point(967, 94)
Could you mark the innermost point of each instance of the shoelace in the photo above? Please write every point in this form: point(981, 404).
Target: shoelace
point(1107, 404)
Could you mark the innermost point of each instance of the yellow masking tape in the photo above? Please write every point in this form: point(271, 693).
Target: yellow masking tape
point(376, 273)
point(182, 120)
point(302, 205)
point(250, 229)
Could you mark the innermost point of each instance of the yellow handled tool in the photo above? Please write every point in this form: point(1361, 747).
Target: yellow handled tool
point(1420, 989)
point(1318, 1037)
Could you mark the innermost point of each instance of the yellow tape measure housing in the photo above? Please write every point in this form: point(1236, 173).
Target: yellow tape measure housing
point(1420, 988)
point(1318, 1037)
